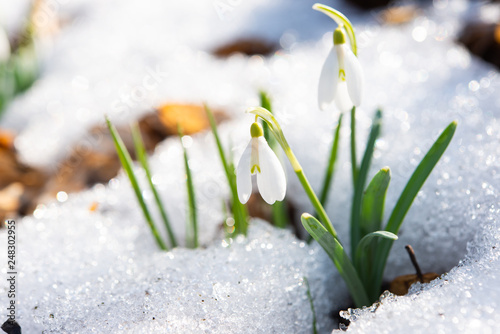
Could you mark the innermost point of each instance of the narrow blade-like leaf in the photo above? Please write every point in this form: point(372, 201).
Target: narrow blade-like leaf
point(364, 243)
point(192, 235)
point(372, 208)
point(339, 257)
point(127, 164)
point(365, 253)
point(239, 210)
point(309, 296)
point(361, 181)
point(407, 196)
point(140, 151)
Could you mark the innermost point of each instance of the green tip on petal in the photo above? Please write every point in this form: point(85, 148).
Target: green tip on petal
point(256, 130)
point(338, 36)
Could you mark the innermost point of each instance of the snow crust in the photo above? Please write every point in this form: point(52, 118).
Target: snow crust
point(85, 272)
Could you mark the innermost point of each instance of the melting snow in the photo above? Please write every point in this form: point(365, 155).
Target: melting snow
point(85, 272)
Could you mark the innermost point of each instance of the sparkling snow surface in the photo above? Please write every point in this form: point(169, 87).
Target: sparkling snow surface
point(85, 272)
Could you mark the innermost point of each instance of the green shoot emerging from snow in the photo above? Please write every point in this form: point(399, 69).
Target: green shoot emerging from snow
point(240, 214)
point(128, 166)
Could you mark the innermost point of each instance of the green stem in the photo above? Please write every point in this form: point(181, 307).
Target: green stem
point(280, 138)
point(354, 164)
point(331, 164)
point(314, 199)
point(341, 20)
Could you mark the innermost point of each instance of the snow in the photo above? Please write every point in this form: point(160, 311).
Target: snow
point(84, 272)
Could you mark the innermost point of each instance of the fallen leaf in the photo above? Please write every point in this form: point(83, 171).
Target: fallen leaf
point(401, 284)
point(399, 14)
point(246, 46)
point(6, 139)
point(10, 197)
point(191, 118)
point(483, 40)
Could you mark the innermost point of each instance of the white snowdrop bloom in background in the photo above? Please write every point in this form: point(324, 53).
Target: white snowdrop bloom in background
point(258, 158)
point(4, 46)
point(341, 78)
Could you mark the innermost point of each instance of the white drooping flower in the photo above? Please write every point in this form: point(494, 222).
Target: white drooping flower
point(341, 78)
point(258, 158)
point(4, 46)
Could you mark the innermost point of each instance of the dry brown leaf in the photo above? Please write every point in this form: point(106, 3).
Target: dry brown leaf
point(191, 118)
point(94, 160)
point(10, 197)
point(246, 46)
point(399, 14)
point(401, 284)
point(7, 139)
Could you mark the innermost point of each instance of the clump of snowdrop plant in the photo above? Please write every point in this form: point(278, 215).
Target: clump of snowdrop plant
point(341, 83)
point(260, 154)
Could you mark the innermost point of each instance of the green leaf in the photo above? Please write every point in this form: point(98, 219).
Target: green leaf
point(127, 164)
point(192, 232)
point(143, 160)
point(361, 181)
point(331, 163)
point(365, 252)
point(239, 210)
point(311, 304)
point(406, 199)
point(339, 257)
point(26, 67)
point(372, 208)
point(367, 239)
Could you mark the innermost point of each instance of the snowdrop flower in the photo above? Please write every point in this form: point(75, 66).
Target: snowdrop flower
point(4, 46)
point(341, 78)
point(258, 158)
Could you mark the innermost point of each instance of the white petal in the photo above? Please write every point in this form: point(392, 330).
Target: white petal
point(243, 176)
point(271, 180)
point(328, 80)
point(4, 46)
point(354, 76)
point(342, 99)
